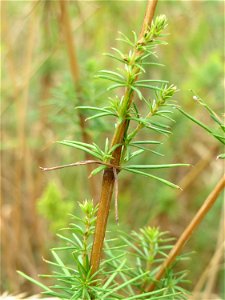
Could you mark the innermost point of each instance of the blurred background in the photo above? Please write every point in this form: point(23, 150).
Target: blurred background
point(38, 109)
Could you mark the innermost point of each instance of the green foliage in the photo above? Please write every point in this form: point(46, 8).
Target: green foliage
point(219, 132)
point(159, 106)
point(52, 207)
point(128, 267)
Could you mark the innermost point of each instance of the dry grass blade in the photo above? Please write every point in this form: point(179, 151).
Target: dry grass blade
point(212, 268)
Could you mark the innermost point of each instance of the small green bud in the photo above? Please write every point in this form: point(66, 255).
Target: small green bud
point(159, 25)
point(87, 207)
point(154, 31)
point(168, 92)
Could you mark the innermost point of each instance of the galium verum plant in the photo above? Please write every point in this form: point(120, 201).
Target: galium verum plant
point(91, 279)
point(129, 265)
point(117, 155)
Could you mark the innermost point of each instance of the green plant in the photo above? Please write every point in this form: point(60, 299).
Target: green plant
point(129, 264)
point(115, 156)
point(136, 273)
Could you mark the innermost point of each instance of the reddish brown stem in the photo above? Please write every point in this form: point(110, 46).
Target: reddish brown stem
point(108, 176)
point(189, 231)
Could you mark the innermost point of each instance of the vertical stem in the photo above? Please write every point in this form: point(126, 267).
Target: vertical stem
point(189, 230)
point(74, 67)
point(108, 176)
point(149, 14)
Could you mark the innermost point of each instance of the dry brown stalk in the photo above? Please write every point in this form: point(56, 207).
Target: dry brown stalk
point(212, 268)
point(108, 176)
point(214, 264)
point(206, 206)
point(74, 67)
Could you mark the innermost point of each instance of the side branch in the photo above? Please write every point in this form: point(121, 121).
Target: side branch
point(81, 163)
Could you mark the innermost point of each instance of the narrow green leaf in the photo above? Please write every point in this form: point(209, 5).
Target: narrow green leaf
point(135, 153)
point(146, 149)
point(114, 57)
point(152, 80)
point(114, 274)
point(93, 108)
point(104, 114)
point(218, 137)
point(140, 67)
point(60, 262)
point(74, 145)
point(44, 287)
point(153, 64)
point(160, 125)
point(152, 167)
point(98, 170)
point(156, 296)
point(66, 239)
point(215, 118)
point(112, 73)
point(80, 144)
point(125, 39)
point(62, 248)
point(114, 148)
point(131, 244)
point(157, 129)
point(195, 120)
point(118, 51)
point(55, 294)
point(145, 143)
point(121, 286)
point(152, 176)
point(165, 116)
point(148, 86)
point(115, 86)
point(137, 91)
point(110, 78)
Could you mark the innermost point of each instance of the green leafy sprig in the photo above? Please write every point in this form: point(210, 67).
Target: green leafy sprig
point(159, 107)
point(218, 133)
point(129, 265)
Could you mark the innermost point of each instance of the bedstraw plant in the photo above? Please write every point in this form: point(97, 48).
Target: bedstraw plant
point(130, 262)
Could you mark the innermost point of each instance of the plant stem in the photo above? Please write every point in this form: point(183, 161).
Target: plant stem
point(108, 176)
point(214, 265)
point(189, 231)
point(74, 67)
